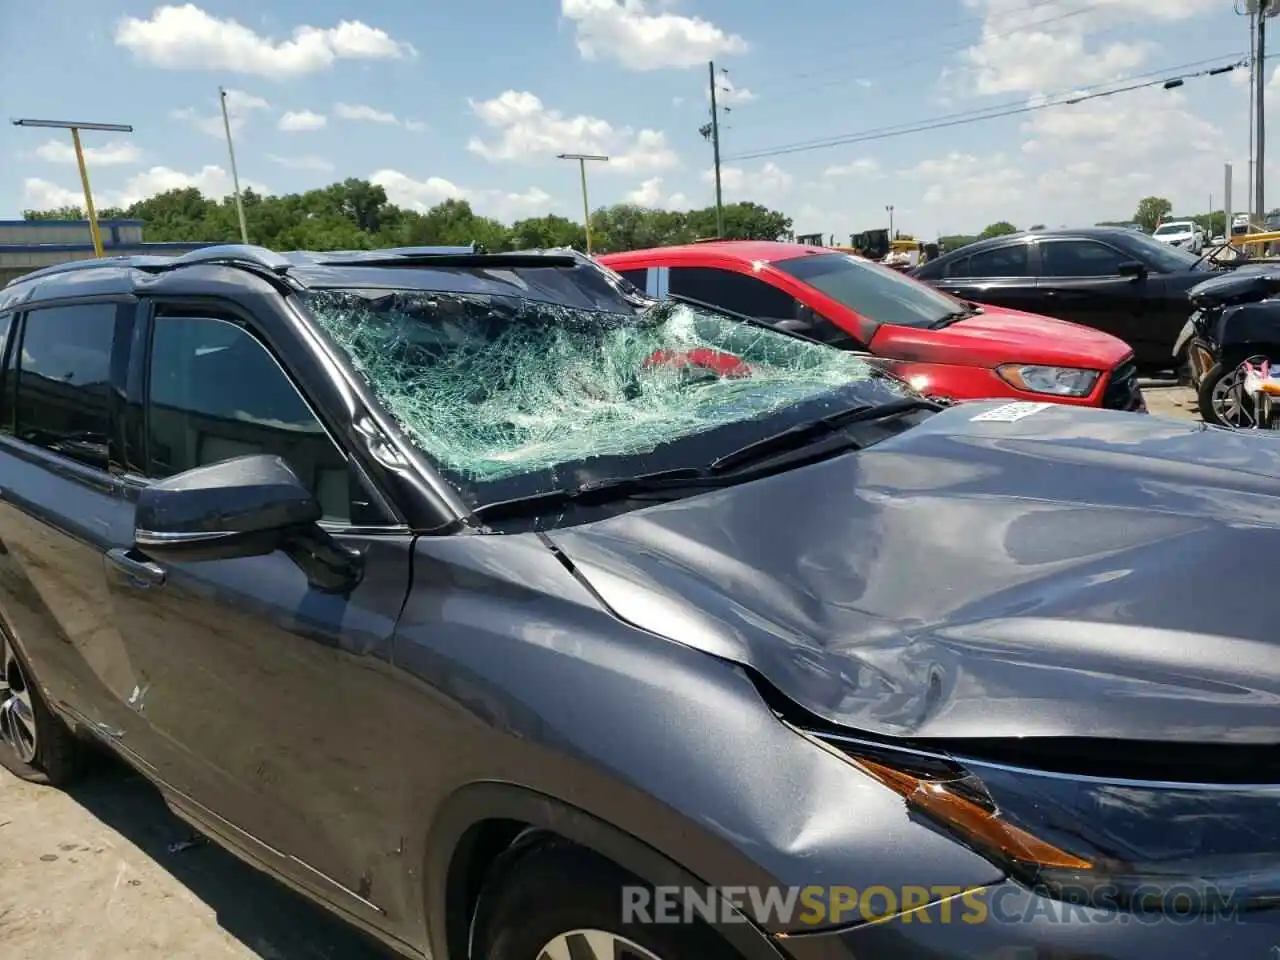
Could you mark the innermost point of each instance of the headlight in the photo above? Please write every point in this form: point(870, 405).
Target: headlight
point(1127, 845)
point(1055, 381)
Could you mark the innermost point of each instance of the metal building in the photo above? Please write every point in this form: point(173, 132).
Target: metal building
point(27, 245)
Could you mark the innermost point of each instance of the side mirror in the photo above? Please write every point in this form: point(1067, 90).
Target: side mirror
point(243, 507)
point(803, 322)
point(1132, 268)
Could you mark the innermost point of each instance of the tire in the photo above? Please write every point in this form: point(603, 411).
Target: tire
point(35, 744)
point(559, 889)
point(1226, 367)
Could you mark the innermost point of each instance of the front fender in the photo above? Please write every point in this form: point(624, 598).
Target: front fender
point(672, 747)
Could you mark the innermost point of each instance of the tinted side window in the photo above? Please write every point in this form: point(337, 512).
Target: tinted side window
point(637, 278)
point(1080, 258)
point(6, 378)
point(1010, 261)
point(733, 291)
point(217, 393)
point(64, 380)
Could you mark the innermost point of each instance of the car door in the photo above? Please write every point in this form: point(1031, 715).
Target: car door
point(61, 504)
point(265, 690)
point(1082, 282)
point(1003, 276)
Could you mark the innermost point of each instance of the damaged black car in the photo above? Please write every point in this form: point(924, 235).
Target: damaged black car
point(513, 616)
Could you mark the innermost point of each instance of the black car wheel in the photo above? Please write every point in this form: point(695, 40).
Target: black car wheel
point(563, 903)
point(34, 743)
point(1221, 395)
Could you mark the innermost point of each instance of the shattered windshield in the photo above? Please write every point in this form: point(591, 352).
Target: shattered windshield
point(497, 387)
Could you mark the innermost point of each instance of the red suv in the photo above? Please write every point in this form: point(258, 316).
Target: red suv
point(943, 346)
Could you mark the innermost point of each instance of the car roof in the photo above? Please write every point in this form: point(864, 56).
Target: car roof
point(766, 251)
point(1121, 234)
point(462, 270)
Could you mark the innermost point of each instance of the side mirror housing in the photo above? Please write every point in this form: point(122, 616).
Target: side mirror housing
point(1133, 268)
point(244, 507)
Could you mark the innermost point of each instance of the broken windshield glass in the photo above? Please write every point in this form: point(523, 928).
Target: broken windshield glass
point(492, 387)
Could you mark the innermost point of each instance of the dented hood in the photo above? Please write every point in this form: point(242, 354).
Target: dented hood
point(1074, 572)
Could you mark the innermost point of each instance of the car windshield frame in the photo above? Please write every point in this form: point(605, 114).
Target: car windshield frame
point(1172, 229)
point(369, 326)
point(887, 296)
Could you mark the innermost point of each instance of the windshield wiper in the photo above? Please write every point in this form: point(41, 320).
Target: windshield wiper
point(805, 433)
point(969, 309)
point(596, 492)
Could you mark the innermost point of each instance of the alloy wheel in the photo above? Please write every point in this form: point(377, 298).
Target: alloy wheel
point(1230, 404)
point(593, 945)
point(17, 718)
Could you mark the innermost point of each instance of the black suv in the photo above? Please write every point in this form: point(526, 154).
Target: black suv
point(512, 616)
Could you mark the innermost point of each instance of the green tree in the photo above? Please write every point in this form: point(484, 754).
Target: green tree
point(998, 229)
point(1151, 210)
point(356, 214)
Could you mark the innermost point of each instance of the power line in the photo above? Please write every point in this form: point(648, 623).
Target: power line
point(913, 37)
point(928, 55)
point(1059, 99)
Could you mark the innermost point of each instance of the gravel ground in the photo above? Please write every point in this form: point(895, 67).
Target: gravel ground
point(106, 873)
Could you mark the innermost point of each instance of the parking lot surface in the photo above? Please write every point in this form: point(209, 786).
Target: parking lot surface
point(106, 873)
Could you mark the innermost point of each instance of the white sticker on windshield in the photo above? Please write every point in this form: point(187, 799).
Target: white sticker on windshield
point(1010, 412)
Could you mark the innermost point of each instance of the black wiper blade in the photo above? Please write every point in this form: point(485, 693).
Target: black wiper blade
point(595, 492)
point(804, 433)
point(955, 316)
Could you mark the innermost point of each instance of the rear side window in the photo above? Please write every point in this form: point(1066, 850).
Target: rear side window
point(1010, 261)
point(217, 393)
point(64, 373)
point(733, 291)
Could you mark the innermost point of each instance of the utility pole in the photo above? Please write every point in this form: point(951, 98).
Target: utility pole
point(75, 127)
point(1253, 86)
point(1260, 86)
point(715, 147)
point(889, 209)
point(235, 176)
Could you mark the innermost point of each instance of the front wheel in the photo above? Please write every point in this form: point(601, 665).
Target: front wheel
point(564, 903)
point(1221, 395)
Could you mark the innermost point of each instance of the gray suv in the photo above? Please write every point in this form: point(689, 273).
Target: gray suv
point(510, 615)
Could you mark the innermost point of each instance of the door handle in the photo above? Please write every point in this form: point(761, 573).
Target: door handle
point(142, 572)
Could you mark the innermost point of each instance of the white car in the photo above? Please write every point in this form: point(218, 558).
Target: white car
point(1185, 234)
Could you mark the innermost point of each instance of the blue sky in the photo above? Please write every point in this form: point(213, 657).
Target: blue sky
point(474, 100)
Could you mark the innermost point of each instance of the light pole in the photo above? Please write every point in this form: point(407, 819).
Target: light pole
point(75, 127)
point(582, 159)
point(889, 209)
point(235, 176)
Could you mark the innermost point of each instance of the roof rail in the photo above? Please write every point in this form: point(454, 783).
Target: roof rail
point(442, 251)
point(229, 253)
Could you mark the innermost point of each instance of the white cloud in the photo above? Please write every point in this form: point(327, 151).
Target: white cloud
point(361, 112)
point(240, 106)
point(1046, 46)
point(626, 32)
point(114, 153)
point(313, 164)
point(964, 182)
point(768, 183)
point(414, 126)
point(211, 180)
point(187, 38)
point(529, 131)
point(422, 195)
point(297, 120)
point(862, 168)
point(650, 195)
